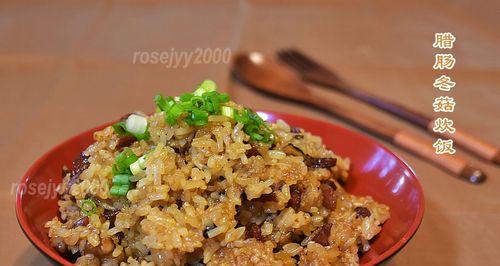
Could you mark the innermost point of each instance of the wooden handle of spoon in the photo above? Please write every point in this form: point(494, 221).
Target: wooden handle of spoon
point(273, 78)
point(483, 149)
point(454, 164)
point(479, 147)
point(330, 81)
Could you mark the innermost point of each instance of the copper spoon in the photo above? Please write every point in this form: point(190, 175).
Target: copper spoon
point(270, 76)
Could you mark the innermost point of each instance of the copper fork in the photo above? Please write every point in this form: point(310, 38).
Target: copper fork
point(314, 72)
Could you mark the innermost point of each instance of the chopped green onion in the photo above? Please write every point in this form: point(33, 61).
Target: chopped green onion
point(213, 103)
point(205, 86)
point(185, 106)
point(136, 124)
point(138, 166)
point(88, 207)
point(123, 162)
point(242, 117)
point(185, 97)
point(227, 111)
point(197, 118)
point(164, 104)
point(197, 101)
point(195, 108)
point(121, 180)
point(119, 190)
point(174, 113)
point(135, 168)
point(256, 136)
point(120, 128)
point(254, 126)
point(223, 97)
point(127, 127)
point(144, 136)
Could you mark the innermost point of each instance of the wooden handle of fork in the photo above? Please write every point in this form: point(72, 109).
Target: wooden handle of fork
point(330, 81)
point(479, 147)
point(453, 164)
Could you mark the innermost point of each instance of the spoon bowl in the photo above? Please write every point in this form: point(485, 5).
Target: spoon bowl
point(269, 75)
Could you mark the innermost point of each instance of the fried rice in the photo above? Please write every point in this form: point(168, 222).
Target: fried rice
point(211, 195)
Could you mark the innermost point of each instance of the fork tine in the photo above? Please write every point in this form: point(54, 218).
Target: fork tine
point(311, 63)
point(301, 65)
point(290, 60)
point(304, 59)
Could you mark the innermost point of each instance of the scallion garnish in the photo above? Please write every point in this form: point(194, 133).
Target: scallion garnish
point(197, 102)
point(123, 162)
point(227, 111)
point(123, 170)
point(164, 104)
point(121, 180)
point(223, 97)
point(205, 86)
point(254, 126)
point(134, 125)
point(186, 97)
point(120, 128)
point(119, 190)
point(88, 207)
point(195, 108)
point(197, 118)
point(138, 166)
point(173, 114)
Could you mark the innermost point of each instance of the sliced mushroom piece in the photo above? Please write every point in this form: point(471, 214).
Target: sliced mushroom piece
point(110, 215)
point(362, 212)
point(253, 231)
point(298, 136)
point(329, 196)
point(80, 164)
point(295, 197)
point(267, 197)
point(252, 152)
point(319, 162)
point(125, 141)
point(295, 129)
point(322, 235)
point(84, 221)
point(290, 149)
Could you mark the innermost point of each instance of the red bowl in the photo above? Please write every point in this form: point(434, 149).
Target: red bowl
point(375, 171)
